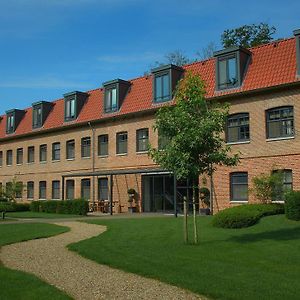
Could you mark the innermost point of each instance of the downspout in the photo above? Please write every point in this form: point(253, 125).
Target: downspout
point(93, 164)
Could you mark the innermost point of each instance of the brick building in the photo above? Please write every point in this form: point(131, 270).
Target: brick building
point(94, 144)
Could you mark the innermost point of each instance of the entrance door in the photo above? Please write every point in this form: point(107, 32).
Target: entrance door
point(158, 193)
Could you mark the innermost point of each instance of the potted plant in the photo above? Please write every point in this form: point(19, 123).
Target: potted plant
point(205, 201)
point(131, 194)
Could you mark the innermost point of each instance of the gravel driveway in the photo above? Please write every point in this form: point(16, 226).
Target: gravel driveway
point(79, 277)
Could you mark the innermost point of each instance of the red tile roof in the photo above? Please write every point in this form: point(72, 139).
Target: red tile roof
point(271, 65)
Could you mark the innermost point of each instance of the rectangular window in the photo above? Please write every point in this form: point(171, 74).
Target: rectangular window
point(70, 146)
point(56, 151)
point(111, 101)
point(70, 189)
point(162, 141)
point(287, 184)
point(85, 189)
point(19, 189)
point(10, 123)
point(37, 116)
point(43, 153)
point(9, 157)
point(1, 158)
point(19, 156)
point(30, 154)
point(162, 87)
point(238, 128)
point(102, 189)
point(42, 190)
point(142, 139)
point(239, 186)
point(55, 189)
point(227, 72)
point(103, 145)
point(122, 142)
point(86, 147)
point(280, 122)
point(70, 109)
point(30, 190)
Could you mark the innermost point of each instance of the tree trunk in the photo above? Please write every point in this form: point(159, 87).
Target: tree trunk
point(194, 215)
point(185, 229)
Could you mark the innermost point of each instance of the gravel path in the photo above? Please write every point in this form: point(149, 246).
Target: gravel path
point(79, 277)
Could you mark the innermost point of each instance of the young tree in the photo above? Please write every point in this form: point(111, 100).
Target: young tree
point(12, 189)
point(207, 52)
point(194, 130)
point(248, 35)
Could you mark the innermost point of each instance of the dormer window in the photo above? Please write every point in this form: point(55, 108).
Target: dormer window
point(231, 64)
point(111, 103)
point(13, 118)
point(40, 112)
point(114, 94)
point(10, 123)
point(165, 79)
point(74, 102)
point(37, 116)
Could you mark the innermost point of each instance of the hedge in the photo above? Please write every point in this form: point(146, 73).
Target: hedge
point(245, 215)
point(12, 206)
point(74, 207)
point(292, 205)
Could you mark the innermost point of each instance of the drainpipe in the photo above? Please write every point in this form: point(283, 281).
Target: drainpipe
point(93, 163)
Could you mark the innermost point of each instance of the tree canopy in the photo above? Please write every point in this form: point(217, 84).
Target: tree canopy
point(248, 35)
point(193, 128)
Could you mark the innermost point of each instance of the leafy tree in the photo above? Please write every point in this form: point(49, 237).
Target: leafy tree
point(12, 189)
point(248, 35)
point(194, 128)
point(268, 187)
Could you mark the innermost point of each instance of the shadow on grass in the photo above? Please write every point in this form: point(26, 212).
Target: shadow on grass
point(276, 235)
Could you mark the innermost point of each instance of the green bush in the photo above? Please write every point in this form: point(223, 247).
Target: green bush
point(292, 205)
point(12, 206)
point(22, 206)
point(245, 215)
point(74, 207)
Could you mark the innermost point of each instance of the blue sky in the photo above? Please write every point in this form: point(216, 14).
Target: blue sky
point(53, 47)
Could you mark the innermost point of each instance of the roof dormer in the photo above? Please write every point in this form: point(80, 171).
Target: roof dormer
point(40, 112)
point(114, 94)
point(231, 65)
point(74, 102)
point(297, 37)
point(13, 119)
point(165, 79)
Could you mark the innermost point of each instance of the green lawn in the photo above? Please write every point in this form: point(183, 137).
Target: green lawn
point(20, 285)
point(259, 262)
point(30, 214)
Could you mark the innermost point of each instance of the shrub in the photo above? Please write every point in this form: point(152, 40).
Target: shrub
point(21, 206)
point(75, 207)
point(292, 205)
point(245, 215)
point(12, 206)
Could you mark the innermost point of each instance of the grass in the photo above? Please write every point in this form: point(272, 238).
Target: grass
point(20, 285)
point(259, 262)
point(33, 215)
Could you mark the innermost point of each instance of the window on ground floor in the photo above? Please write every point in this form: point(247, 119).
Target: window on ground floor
point(70, 189)
point(30, 190)
point(42, 190)
point(19, 189)
point(239, 186)
point(85, 188)
point(287, 184)
point(102, 189)
point(55, 189)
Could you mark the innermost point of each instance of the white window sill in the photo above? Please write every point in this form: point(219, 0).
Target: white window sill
point(279, 201)
point(70, 159)
point(280, 139)
point(121, 154)
point(43, 162)
point(238, 201)
point(141, 152)
point(56, 160)
point(238, 143)
point(42, 198)
point(9, 165)
point(30, 163)
point(19, 164)
point(102, 156)
point(86, 157)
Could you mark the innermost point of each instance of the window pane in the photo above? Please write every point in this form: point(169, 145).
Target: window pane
point(30, 189)
point(239, 186)
point(86, 147)
point(70, 149)
point(55, 189)
point(114, 99)
point(30, 154)
point(42, 190)
point(121, 143)
point(56, 151)
point(222, 73)
point(102, 189)
point(232, 76)
point(9, 157)
point(85, 188)
point(166, 87)
point(233, 134)
point(142, 139)
point(158, 88)
point(274, 129)
point(103, 144)
point(70, 184)
point(72, 108)
point(43, 153)
point(19, 156)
